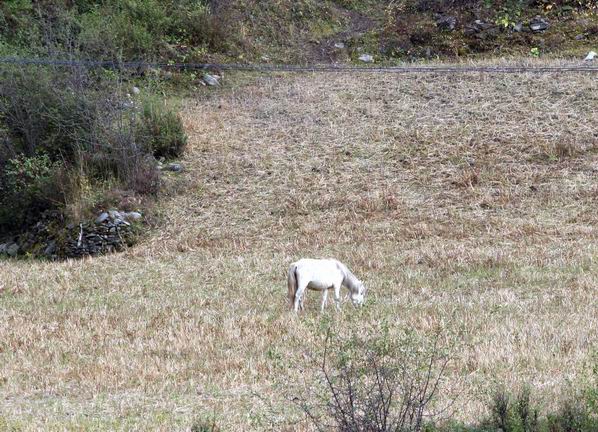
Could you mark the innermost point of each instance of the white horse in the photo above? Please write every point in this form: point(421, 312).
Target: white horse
point(322, 275)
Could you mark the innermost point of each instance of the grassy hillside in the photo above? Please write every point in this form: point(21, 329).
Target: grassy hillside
point(466, 203)
point(306, 31)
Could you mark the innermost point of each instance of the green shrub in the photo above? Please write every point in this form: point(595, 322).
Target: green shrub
point(149, 29)
point(46, 111)
point(205, 424)
point(513, 414)
point(161, 129)
point(591, 390)
point(518, 414)
point(15, 20)
point(571, 417)
point(66, 136)
point(28, 186)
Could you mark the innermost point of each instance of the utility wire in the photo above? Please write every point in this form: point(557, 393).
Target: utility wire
point(139, 65)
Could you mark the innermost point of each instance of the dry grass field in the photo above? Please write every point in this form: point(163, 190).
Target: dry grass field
point(467, 203)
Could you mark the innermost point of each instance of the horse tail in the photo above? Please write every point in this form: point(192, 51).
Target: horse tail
point(292, 284)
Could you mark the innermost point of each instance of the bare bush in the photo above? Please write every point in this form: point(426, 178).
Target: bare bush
point(377, 385)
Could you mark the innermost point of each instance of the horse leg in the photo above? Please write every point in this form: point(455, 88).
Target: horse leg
point(324, 300)
point(299, 296)
point(337, 296)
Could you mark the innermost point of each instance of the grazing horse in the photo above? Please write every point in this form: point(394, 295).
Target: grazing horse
point(322, 275)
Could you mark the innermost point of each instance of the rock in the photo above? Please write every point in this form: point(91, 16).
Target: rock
point(477, 26)
point(210, 80)
point(538, 24)
point(136, 90)
point(518, 27)
point(366, 58)
point(590, 56)
point(446, 22)
point(50, 248)
point(133, 216)
point(482, 24)
point(102, 218)
point(339, 45)
point(174, 167)
point(3, 247)
point(115, 215)
point(581, 36)
point(12, 249)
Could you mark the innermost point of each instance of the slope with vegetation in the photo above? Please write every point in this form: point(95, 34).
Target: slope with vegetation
point(296, 31)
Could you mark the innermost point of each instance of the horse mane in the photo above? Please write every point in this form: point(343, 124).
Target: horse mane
point(349, 274)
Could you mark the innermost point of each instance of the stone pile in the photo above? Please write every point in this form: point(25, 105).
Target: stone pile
point(111, 231)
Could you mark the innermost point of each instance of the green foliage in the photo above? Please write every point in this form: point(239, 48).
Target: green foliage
point(28, 185)
point(161, 129)
point(513, 415)
point(15, 18)
point(111, 29)
point(510, 13)
point(591, 388)
point(67, 134)
point(518, 414)
point(205, 424)
point(46, 112)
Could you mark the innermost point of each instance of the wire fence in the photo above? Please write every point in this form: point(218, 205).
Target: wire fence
point(341, 68)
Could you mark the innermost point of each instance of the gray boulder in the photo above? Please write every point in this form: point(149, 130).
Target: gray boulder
point(12, 249)
point(102, 218)
point(366, 58)
point(210, 80)
point(115, 215)
point(538, 24)
point(50, 248)
point(134, 216)
point(478, 26)
point(174, 167)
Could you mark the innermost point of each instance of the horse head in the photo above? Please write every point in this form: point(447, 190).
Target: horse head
point(358, 294)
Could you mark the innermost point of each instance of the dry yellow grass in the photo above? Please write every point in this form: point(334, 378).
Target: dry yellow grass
point(465, 202)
